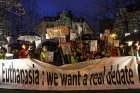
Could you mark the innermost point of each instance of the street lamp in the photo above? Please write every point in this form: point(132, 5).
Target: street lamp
point(135, 30)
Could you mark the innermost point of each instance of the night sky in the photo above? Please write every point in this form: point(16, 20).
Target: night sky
point(91, 10)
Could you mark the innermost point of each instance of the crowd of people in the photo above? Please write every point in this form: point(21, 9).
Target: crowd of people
point(80, 51)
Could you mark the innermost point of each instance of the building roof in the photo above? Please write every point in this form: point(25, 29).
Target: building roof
point(50, 18)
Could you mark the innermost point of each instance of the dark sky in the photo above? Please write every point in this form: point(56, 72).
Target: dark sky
point(85, 8)
point(91, 10)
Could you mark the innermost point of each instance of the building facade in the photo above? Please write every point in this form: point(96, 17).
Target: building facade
point(127, 22)
point(65, 19)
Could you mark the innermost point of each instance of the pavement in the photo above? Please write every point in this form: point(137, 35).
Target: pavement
point(101, 91)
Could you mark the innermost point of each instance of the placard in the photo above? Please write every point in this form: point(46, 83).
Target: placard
point(93, 45)
point(66, 48)
point(100, 74)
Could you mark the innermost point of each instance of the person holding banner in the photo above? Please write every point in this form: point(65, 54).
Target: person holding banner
point(74, 58)
point(32, 50)
point(135, 50)
point(2, 52)
point(114, 51)
point(121, 50)
point(23, 53)
point(44, 54)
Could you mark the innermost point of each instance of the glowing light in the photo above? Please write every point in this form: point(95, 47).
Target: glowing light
point(130, 43)
point(135, 31)
point(127, 34)
point(47, 36)
point(113, 36)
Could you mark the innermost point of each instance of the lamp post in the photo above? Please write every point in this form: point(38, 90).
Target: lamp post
point(134, 33)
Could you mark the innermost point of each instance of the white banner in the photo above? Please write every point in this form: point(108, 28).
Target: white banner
point(100, 74)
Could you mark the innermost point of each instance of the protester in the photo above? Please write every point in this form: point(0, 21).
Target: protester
point(15, 53)
point(44, 54)
point(74, 58)
point(80, 51)
point(32, 51)
point(121, 50)
point(67, 59)
point(23, 53)
point(114, 51)
point(135, 50)
point(2, 52)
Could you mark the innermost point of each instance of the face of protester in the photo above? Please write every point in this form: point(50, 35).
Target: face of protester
point(138, 48)
point(44, 48)
point(121, 46)
point(137, 43)
point(23, 47)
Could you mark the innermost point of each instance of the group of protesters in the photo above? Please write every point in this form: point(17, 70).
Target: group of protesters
point(23, 51)
point(80, 51)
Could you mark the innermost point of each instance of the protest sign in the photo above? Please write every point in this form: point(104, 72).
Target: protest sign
point(107, 73)
point(116, 43)
point(57, 32)
point(66, 48)
point(93, 45)
point(37, 43)
point(73, 36)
